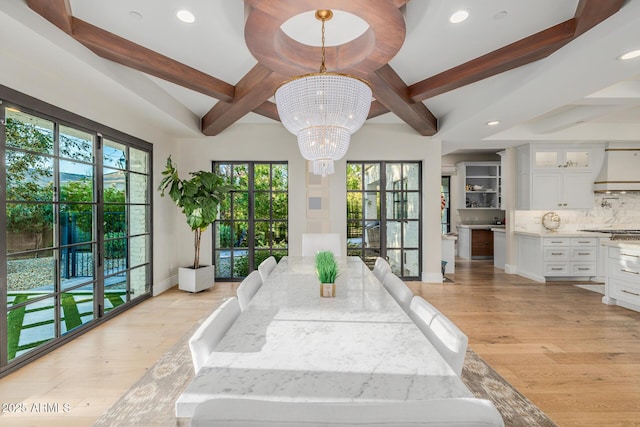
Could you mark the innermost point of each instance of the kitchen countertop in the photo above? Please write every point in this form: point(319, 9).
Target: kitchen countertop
point(562, 234)
point(498, 229)
point(480, 226)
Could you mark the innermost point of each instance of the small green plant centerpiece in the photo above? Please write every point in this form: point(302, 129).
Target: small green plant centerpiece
point(198, 198)
point(327, 271)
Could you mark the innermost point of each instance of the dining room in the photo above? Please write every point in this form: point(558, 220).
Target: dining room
point(103, 311)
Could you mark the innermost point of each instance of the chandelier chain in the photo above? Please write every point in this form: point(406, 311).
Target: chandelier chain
point(323, 68)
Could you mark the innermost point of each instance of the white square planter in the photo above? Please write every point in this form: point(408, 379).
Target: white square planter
point(192, 280)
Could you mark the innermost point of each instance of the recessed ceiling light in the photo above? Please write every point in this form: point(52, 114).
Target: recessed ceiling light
point(135, 15)
point(493, 123)
point(458, 16)
point(186, 16)
point(629, 55)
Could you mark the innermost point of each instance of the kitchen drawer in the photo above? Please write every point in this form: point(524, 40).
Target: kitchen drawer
point(584, 241)
point(556, 254)
point(556, 268)
point(622, 290)
point(629, 255)
point(625, 270)
point(584, 254)
point(556, 241)
point(583, 269)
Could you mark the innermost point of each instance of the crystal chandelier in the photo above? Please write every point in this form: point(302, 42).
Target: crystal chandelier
point(323, 109)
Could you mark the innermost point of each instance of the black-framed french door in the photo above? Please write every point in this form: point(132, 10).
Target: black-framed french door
point(253, 222)
point(384, 215)
point(75, 207)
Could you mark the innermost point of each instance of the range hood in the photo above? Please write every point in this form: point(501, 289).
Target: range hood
point(621, 169)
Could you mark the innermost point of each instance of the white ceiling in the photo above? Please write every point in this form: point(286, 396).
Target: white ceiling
point(580, 93)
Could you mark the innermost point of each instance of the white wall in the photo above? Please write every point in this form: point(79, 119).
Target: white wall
point(273, 142)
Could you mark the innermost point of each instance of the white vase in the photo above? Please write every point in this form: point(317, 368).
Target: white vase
point(192, 280)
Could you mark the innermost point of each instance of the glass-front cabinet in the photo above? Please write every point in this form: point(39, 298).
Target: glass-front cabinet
point(481, 184)
point(554, 159)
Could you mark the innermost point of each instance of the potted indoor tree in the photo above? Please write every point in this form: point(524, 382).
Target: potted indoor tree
point(327, 271)
point(198, 198)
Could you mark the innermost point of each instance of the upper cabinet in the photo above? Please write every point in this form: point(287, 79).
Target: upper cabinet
point(557, 176)
point(480, 187)
point(573, 159)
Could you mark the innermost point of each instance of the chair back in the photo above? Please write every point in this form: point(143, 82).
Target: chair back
point(211, 331)
point(452, 412)
point(266, 267)
point(248, 288)
point(398, 290)
point(381, 268)
point(445, 336)
point(313, 243)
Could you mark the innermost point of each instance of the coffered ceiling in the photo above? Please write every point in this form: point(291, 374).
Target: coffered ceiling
point(547, 70)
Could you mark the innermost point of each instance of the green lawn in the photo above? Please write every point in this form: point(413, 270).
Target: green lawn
point(72, 313)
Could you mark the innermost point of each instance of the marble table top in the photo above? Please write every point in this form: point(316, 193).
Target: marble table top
point(291, 344)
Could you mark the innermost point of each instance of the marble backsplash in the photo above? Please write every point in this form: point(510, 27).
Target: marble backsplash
point(610, 211)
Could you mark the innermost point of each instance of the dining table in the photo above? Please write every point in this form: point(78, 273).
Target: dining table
point(291, 344)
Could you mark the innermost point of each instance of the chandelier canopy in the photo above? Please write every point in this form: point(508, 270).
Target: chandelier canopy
point(323, 109)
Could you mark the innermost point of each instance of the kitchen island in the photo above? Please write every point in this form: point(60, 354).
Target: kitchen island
point(568, 255)
point(475, 241)
point(622, 284)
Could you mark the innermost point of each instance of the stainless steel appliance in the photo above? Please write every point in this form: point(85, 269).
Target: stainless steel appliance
point(623, 234)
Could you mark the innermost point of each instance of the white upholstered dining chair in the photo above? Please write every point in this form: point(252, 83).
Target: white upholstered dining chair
point(398, 290)
point(248, 288)
point(452, 412)
point(445, 336)
point(266, 267)
point(381, 268)
point(211, 331)
point(313, 243)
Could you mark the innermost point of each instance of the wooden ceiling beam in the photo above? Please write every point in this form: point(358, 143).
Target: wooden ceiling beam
point(268, 109)
point(590, 13)
point(252, 91)
point(377, 109)
point(58, 12)
point(132, 55)
point(393, 93)
point(516, 54)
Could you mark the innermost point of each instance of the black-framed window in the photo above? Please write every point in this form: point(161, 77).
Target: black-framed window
point(75, 207)
point(384, 215)
point(254, 219)
point(445, 215)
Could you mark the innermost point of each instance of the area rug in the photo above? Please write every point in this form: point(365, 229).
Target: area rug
point(150, 401)
point(594, 288)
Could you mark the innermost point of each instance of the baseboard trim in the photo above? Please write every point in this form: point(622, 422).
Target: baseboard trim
point(164, 285)
point(511, 269)
point(535, 277)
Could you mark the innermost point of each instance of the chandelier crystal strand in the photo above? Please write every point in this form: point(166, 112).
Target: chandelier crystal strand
point(323, 110)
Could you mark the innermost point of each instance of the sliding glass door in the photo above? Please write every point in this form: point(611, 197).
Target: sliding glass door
point(384, 214)
point(75, 213)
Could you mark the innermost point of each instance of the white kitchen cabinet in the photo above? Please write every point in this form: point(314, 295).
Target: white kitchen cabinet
point(552, 177)
point(554, 190)
point(563, 256)
point(480, 187)
point(622, 285)
point(547, 158)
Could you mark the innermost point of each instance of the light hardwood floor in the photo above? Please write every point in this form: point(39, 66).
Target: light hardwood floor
point(576, 358)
